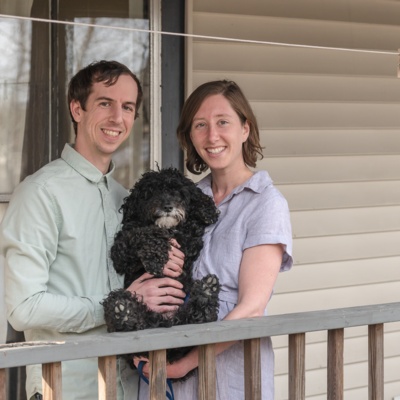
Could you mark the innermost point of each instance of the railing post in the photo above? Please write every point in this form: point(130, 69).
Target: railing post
point(107, 377)
point(158, 374)
point(297, 370)
point(335, 364)
point(51, 381)
point(252, 369)
point(375, 362)
point(207, 373)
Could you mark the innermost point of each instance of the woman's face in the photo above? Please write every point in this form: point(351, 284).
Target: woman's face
point(218, 134)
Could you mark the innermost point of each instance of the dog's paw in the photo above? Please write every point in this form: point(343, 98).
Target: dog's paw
point(203, 303)
point(121, 311)
point(206, 290)
point(210, 285)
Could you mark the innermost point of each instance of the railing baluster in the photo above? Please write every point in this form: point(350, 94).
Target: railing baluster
point(3, 383)
point(252, 369)
point(375, 362)
point(51, 381)
point(207, 374)
point(158, 374)
point(107, 377)
point(297, 371)
point(335, 364)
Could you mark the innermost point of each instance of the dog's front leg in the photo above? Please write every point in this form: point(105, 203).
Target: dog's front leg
point(153, 249)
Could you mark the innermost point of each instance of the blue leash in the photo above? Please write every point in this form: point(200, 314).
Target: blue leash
point(170, 396)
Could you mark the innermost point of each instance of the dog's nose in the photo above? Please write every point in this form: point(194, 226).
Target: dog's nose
point(168, 208)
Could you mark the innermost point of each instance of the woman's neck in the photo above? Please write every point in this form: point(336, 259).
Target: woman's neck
point(222, 184)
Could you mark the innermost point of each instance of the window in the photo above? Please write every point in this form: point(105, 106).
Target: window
point(38, 61)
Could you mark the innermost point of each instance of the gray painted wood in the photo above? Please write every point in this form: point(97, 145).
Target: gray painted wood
point(188, 335)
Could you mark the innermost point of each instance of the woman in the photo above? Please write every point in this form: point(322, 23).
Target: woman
point(252, 240)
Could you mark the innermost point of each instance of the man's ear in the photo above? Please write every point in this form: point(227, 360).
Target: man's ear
point(76, 110)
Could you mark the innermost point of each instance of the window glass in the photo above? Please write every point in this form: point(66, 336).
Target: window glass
point(39, 58)
point(14, 92)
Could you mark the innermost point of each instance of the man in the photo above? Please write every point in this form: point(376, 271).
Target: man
point(60, 225)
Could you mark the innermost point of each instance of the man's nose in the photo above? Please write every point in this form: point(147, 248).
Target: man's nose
point(116, 113)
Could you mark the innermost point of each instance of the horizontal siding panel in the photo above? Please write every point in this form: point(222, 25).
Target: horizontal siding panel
point(332, 168)
point(392, 389)
point(345, 221)
point(346, 247)
point(310, 277)
point(294, 87)
point(346, 34)
point(326, 115)
point(230, 56)
point(339, 297)
point(341, 195)
point(312, 142)
point(367, 11)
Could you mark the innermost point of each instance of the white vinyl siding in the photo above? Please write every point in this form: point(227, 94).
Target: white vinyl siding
point(330, 124)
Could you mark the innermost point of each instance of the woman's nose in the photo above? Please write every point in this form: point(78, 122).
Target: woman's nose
point(213, 134)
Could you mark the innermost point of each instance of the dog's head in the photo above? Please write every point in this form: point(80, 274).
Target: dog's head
point(167, 198)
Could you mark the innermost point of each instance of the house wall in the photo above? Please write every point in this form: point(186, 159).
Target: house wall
point(329, 122)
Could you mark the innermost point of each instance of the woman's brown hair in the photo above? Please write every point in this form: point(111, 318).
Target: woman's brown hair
point(232, 92)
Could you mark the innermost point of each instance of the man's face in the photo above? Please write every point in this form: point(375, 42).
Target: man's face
point(107, 121)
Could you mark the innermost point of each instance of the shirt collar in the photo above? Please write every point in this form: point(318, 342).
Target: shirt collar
point(84, 167)
point(257, 183)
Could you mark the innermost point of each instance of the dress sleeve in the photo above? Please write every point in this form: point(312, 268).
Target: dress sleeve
point(29, 242)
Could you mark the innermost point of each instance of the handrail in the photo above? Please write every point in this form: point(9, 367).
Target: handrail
point(192, 335)
point(107, 346)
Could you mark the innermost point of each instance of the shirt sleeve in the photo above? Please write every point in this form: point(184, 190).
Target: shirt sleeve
point(269, 223)
point(29, 242)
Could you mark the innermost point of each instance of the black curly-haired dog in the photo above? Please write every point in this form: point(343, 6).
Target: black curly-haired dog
point(162, 205)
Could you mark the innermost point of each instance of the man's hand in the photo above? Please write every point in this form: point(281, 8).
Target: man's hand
point(160, 294)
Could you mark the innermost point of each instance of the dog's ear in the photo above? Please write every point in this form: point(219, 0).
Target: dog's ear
point(130, 207)
point(202, 207)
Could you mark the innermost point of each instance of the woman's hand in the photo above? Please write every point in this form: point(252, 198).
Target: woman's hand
point(173, 268)
point(174, 371)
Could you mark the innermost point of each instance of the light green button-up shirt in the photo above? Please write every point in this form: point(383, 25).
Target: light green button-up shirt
point(56, 237)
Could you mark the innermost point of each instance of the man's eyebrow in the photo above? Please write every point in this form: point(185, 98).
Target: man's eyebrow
point(102, 98)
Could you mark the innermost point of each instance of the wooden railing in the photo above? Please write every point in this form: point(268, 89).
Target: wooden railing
point(107, 346)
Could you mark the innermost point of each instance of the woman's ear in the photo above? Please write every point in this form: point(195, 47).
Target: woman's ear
point(76, 110)
point(246, 131)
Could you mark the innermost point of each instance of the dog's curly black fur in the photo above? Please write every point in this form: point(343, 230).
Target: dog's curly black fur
point(162, 205)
